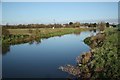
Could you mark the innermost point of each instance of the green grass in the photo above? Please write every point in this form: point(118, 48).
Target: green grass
point(105, 59)
point(19, 35)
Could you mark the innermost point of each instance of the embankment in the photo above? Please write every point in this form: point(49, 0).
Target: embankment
point(103, 59)
point(25, 35)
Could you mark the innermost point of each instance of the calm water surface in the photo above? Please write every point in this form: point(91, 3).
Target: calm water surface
point(42, 60)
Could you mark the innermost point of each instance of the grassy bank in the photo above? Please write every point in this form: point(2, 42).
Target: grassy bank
point(26, 35)
point(103, 59)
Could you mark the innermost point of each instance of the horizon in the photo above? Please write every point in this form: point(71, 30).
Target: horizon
point(58, 12)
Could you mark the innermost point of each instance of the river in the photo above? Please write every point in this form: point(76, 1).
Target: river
point(42, 59)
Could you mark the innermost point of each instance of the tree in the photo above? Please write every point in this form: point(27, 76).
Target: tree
point(107, 24)
point(94, 25)
point(70, 23)
point(113, 25)
point(86, 24)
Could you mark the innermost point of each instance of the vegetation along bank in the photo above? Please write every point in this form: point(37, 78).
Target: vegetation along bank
point(102, 61)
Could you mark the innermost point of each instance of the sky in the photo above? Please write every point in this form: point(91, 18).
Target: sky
point(58, 12)
point(0, 13)
point(59, 0)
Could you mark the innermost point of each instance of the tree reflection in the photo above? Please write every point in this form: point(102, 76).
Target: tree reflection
point(30, 40)
point(5, 49)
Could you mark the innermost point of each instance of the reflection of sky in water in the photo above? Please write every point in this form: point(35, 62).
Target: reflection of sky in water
point(43, 59)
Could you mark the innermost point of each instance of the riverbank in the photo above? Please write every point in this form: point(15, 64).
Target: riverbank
point(102, 61)
point(25, 35)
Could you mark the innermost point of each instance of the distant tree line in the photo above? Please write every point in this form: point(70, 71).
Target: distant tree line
point(33, 26)
point(68, 25)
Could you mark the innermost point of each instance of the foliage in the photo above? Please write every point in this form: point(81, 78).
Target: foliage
point(106, 57)
point(12, 35)
point(101, 62)
point(101, 26)
point(87, 41)
point(107, 24)
point(56, 25)
point(70, 23)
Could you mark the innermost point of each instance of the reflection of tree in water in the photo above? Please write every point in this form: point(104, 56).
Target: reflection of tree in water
point(38, 40)
point(5, 49)
point(94, 30)
point(34, 39)
point(30, 40)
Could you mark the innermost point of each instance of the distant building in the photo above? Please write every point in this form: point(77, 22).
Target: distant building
point(64, 25)
point(53, 27)
point(111, 26)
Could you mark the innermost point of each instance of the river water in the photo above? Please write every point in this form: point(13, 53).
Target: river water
point(42, 59)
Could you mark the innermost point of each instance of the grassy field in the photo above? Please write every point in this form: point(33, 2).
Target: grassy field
point(32, 31)
point(26, 35)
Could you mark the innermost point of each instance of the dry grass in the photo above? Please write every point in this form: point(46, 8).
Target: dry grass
point(40, 30)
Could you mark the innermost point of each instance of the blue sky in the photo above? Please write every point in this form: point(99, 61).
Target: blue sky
point(0, 13)
point(62, 12)
point(59, 0)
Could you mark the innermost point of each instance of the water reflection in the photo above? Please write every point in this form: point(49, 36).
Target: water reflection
point(6, 47)
point(41, 58)
point(31, 40)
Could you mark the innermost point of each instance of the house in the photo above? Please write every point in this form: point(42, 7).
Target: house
point(53, 27)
